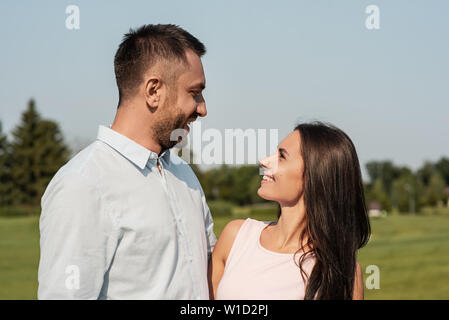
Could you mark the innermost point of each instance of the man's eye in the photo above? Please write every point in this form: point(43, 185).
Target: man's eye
point(281, 155)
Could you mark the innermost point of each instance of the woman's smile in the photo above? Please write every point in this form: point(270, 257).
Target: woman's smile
point(267, 178)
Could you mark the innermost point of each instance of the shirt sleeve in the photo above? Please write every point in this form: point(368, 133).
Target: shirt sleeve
point(77, 239)
point(209, 223)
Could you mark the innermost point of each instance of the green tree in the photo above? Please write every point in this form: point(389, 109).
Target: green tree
point(217, 183)
point(5, 170)
point(434, 191)
point(235, 184)
point(442, 166)
point(386, 171)
point(376, 192)
point(425, 172)
point(242, 176)
point(406, 191)
point(223, 182)
point(38, 151)
point(254, 185)
point(433, 178)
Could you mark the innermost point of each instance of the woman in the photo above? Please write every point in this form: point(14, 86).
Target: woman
point(310, 252)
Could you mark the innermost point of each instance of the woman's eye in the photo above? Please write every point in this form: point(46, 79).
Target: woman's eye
point(281, 155)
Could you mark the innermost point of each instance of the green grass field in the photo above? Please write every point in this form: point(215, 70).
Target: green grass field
point(19, 257)
point(412, 253)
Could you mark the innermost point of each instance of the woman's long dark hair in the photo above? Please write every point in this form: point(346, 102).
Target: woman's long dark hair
point(337, 224)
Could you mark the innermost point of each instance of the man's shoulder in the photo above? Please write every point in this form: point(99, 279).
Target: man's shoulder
point(176, 160)
point(83, 168)
point(83, 162)
point(181, 168)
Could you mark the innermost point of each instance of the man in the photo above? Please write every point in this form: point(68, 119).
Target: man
point(125, 219)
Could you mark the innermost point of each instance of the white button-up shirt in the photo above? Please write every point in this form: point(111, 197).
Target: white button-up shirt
point(114, 227)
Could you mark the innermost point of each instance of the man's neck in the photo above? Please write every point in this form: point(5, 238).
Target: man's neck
point(137, 128)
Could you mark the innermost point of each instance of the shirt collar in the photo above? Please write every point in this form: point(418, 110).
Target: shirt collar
point(134, 152)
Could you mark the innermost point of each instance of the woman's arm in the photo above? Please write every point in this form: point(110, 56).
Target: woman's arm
point(358, 283)
point(220, 255)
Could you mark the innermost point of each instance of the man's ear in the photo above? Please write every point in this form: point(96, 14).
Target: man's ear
point(153, 92)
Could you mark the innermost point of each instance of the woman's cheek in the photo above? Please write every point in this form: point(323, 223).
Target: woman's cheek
point(290, 186)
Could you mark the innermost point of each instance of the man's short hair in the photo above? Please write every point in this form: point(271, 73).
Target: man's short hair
point(141, 49)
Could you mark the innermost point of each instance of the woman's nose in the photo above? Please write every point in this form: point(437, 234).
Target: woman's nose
point(269, 162)
point(264, 162)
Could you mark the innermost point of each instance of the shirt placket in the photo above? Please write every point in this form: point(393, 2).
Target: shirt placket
point(174, 208)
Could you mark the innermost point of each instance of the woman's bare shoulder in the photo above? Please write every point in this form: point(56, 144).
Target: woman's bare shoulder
point(231, 229)
point(227, 237)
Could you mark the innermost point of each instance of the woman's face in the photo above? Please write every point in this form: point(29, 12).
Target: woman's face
point(283, 172)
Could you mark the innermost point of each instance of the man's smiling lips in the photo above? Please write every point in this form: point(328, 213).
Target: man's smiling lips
point(187, 124)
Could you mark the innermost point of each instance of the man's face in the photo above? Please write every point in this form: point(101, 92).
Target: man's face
point(185, 102)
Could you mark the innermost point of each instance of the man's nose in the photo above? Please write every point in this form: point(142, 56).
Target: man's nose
point(201, 108)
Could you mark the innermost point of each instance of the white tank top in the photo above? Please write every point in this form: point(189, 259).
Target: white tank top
point(255, 273)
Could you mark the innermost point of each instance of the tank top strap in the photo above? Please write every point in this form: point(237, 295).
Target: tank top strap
point(246, 241)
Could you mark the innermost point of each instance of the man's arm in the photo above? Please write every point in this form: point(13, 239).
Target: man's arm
point(78, 240)
point(211, 240)
point(209, 225)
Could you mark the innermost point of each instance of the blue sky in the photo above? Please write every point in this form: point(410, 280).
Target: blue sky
point(269, 65)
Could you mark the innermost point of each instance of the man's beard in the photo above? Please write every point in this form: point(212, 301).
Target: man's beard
point(164, 128)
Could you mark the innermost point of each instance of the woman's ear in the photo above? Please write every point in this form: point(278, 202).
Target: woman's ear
point(153, 92)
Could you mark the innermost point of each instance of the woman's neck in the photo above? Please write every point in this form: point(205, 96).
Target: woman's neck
point(291, 223)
